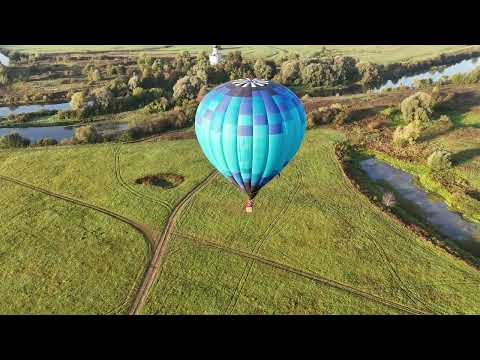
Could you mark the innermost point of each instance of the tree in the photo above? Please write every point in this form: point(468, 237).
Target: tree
point(439, 160)
point(13, 140)
point(407, 135)
point(187, 88)
point(417, 107)
point(4, 77)
point(103, 98)
point(370, 73)
point(134, 82)
point(264, 69)
point(94, 75)
point(110, 70)
point(78, 100)
point(290, 72)
point(86, 134)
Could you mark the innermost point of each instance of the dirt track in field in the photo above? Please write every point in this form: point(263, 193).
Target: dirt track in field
point(148, 234)
point(304, 274)
point(159, 251)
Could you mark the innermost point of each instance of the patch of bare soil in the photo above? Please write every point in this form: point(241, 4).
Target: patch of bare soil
point(164, 180)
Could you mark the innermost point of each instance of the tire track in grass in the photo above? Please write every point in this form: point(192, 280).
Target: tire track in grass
point(259, 243)
point(299, 272)
point(159, 251)
point(123, 183)
point(148, 234)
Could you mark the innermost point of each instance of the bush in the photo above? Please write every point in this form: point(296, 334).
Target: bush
point(157, 106)
point(187, 88)
point(78, 100)
point(13, 140)
point(417, 107)
point(389, 112)
point(324, 115)
point(370, 73)
point(439, 160)
point(388, 199)
point(406, 135)
point(47, 142)
point(86, 134)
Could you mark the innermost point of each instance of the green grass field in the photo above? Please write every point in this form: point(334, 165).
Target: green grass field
point(60, 258)
point(377, 53)
point(310, 219)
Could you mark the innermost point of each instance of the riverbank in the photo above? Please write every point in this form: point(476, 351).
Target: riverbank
point(404, 212)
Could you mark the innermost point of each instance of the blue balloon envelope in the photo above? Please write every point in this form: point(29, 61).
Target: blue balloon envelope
point(249, 130)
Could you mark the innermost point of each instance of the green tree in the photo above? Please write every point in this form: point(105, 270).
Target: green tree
point(417, 107)
point(78, 101)
point(86, 134)
point(264, 69)
point(439, 160)
point(103, 98)
point(13, 140)
point(187, 88)
point(370, 73)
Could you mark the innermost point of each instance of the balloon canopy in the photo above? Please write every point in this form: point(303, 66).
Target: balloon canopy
point(249, 130)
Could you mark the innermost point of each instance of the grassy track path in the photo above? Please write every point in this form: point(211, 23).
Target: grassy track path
point(304, 274)
point(148, 234)
point(159, 251)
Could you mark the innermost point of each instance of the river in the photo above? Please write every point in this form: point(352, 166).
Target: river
point(58, 132)
point(461, 67)
point(4, 60)
point(451, 224)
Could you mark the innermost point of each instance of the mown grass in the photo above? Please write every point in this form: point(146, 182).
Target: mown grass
point(313, 219)
point(60, 258)
point(198, 280)
point(376, 53)
point(309, 218)
point(88, 173)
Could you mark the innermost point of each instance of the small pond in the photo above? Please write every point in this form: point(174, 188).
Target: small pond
point(58, 132)
point(447, 222)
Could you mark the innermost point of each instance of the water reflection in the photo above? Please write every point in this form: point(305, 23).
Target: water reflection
point(451, 224)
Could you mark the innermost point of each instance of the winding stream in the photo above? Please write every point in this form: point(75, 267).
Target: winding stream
point(465, 233)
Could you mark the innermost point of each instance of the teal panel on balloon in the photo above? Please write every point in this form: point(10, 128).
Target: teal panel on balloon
point(249, 130)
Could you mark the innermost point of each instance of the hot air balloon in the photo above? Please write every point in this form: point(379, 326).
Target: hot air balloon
point(249, 129)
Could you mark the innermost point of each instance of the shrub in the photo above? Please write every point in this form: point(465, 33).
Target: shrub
point(13, 140)
point(324, 115)
point(187, 88)
point(264, 69)
point(78, 100)
point(417, 107)
point(47, 142)
point(157, 106)
point(370, 73)
point(388, 199)
point(389, 112)
point(406, 135)
point(439, 160)
point(86, 134)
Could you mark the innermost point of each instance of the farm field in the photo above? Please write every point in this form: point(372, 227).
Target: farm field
point(62, 258)
point(383, 54)
point(307, 248)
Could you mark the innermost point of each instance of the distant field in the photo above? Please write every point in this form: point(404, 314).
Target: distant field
point(376, 53)
point(310, 220)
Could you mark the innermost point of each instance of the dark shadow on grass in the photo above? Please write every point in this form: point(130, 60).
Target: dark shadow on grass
point(465, 155)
